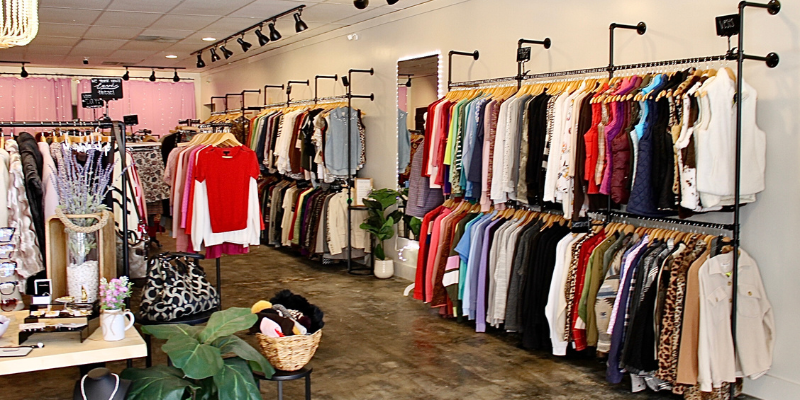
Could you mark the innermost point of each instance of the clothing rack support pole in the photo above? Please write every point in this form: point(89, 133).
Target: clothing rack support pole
point(244, 92)
point(475, 56)
point(640, 28)
point(289, 89)
point(270, 87)
point(773, 7)
point(520, 73)
point(350, 97)
point(316, 84)
point(219, 282)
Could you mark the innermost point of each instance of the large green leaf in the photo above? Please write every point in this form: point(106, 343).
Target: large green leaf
point(166, 331)
point(234, 344)
point(415, 224)
point(396, 216)
point(235, 381)
point(379, 254)
point(387, 230)
point(227, 322)
point(207, 389)
point(198, 361)
point(373, 204)
point(159, 382)
point(386, 197)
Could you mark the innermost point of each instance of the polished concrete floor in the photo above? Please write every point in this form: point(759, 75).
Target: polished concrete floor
point(376, 344)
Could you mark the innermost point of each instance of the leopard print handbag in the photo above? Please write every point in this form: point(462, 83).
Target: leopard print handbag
point(176, 288)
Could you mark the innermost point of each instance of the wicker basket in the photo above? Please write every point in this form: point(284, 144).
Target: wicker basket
point(289, 353)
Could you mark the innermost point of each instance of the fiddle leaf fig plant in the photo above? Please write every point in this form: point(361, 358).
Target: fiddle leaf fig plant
point(378, 223)
point(210, 363)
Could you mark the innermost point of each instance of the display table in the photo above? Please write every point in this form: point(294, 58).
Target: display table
point(69, 353)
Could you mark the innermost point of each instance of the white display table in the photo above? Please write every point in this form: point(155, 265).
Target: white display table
point(69, 353)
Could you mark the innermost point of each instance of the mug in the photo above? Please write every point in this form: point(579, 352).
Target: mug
point(113, 324)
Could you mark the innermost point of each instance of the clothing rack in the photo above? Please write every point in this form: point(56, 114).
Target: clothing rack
point(475, 56)
point(244, 107)
point(546, 43)
point(348, 82)
point(289, 89)
point(118, 132)
point(316, 83)
point(270, 87)
point(219, 97)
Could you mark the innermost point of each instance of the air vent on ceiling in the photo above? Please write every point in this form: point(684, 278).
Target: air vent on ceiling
point(113, 63)
point(157, 39)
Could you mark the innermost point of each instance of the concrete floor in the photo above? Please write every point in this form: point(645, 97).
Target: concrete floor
point(376, 344)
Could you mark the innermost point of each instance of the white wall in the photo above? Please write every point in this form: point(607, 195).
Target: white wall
point(579, 30)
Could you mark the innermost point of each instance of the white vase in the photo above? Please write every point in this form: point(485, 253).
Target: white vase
point(113, 324)
point(384, 269)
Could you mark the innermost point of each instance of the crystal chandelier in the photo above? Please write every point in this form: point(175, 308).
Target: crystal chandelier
point(20, 22)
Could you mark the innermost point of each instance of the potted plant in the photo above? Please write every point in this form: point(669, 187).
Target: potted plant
point(209, 363)
point(112, 302)
point(381, 226)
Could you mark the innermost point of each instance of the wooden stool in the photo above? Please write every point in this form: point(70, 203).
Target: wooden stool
point(282, 376)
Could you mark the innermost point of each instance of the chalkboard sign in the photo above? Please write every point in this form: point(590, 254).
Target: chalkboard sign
point(728, 25)
point(523, 54)
point(107, 88)
point(581, 225)
point(87, 101)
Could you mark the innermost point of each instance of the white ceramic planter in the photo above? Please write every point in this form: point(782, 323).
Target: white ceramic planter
point(384, 269)
point(113, 324)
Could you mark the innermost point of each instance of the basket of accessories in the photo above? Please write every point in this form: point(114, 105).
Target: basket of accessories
point(288, 329)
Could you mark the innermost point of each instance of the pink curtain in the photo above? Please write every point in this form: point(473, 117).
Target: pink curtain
point(159, 105)
point(35, 99)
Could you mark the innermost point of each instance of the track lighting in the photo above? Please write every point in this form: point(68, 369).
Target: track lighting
point(200, 62)
point(225, 52)
point(176, 78)
point(262, 39)
point(214, 56)
point(392, 2)
point(273, 33)
point(299, 25)
point(361, 4)
point(153, 76)
point(408, 84)
point(245, 45)
point(23, 73)
point(127, 75)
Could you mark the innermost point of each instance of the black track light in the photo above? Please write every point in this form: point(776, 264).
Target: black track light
point(273, 33)
point(127, 75)
point(262, 39)
point(23, 73)
point(176, 78)
point(214, 56)
point(245, 45)
point(153, 76)
point(392, 2)
point(361, 4)
point(225, 52)
point(299, 25)
point(200, 62)
point(408, 84)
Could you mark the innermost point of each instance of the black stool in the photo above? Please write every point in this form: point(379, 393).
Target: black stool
point(282, 376)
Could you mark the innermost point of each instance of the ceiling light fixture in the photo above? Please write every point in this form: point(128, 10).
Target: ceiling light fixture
point(153, 76)
point(225, 52)
point(171, 56)
point(20, 22)
point(299, 25)
point(245, 45)
point(176, 78)
point(209, 39)
point(127, 75)
point(273, 33)
point(361, 4)
point(214, 56)
point(200, 62)
point(262, 39)
point(23, 73)
point(392, 2)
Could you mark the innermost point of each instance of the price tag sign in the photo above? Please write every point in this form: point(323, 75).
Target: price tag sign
point(87, 101)
point(524, 54)
point(581, 225)
point(728, 25)
point(107, 88)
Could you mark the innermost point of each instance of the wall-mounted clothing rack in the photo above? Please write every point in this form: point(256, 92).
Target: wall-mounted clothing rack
point(281, 87)
point(316, 83)
point(289, 89)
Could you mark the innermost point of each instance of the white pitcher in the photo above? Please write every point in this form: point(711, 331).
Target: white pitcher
point(113, 324)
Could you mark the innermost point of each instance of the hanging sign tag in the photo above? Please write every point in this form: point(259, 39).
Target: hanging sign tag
point(523, 54)
point(728, 25)
point(87, 101)
point(107, 88)
point(581, 225)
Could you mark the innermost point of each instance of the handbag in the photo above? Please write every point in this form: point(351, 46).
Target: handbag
point(176, 287)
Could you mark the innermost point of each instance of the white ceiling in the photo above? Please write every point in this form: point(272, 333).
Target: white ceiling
point(106, 31)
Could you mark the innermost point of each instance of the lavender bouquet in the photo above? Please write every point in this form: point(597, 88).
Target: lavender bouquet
point(114, 293)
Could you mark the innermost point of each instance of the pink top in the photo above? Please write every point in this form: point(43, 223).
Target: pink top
point(432, 252)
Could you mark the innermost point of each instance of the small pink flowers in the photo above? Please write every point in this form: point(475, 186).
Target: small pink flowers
point(114, 293)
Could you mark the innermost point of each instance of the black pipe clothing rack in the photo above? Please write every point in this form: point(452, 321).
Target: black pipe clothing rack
point(546, 43)
point(118, 133)
point(348, 82)
point(281, 87)
point(289, 89)
point(475, 56)
point(316, 83)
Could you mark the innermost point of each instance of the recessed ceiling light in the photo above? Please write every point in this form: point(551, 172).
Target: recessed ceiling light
point(209, 39)
point(172, 56)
